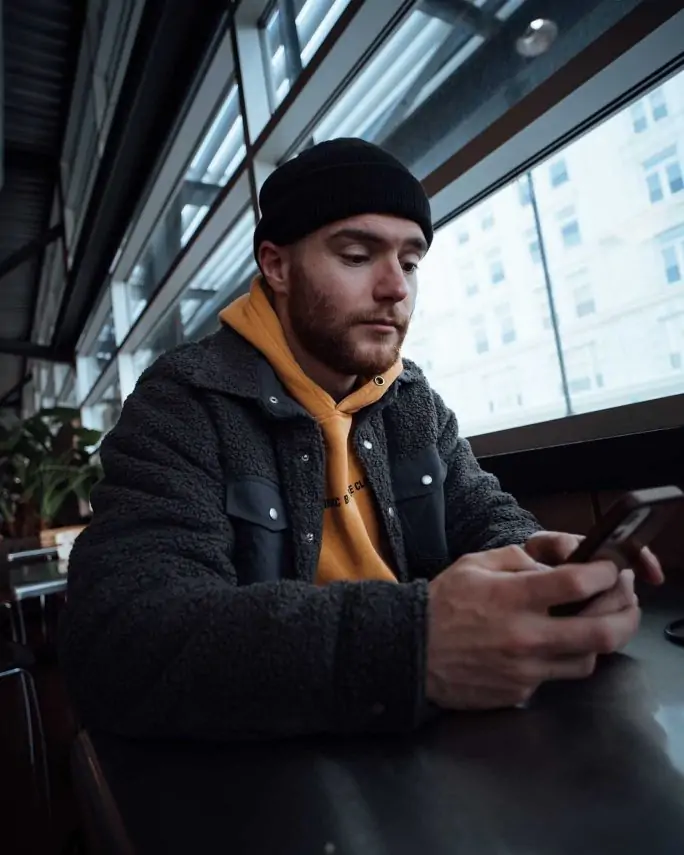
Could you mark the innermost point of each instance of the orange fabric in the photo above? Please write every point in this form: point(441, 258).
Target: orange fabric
point(351, 547)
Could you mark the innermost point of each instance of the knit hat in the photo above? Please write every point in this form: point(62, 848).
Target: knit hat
point(335, 180)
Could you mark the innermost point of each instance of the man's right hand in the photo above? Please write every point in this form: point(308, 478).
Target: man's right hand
point(491, 641)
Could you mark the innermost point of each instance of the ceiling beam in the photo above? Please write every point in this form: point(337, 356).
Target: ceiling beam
point(172, 41)
point(30, 350)
point(13, 391)
point(29, 250)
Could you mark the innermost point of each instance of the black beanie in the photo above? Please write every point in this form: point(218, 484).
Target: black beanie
point(333, 181)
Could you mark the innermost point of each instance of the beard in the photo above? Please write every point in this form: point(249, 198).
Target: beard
point(329, 336)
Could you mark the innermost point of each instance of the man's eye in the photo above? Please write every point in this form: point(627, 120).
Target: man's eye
point(355, 259)
point(409, 267)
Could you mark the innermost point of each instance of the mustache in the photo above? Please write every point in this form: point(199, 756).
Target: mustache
point(398, 320)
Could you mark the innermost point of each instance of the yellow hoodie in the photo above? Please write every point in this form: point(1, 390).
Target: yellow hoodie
point(351, 546)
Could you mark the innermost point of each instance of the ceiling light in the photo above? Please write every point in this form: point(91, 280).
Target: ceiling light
point(537, 38)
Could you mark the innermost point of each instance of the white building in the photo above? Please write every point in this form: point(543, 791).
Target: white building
point(611, 210)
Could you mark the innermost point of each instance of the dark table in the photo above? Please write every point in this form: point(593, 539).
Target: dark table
point(591, 767)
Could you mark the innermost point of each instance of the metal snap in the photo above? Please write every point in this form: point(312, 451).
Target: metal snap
point(273, 514)
point(308, 537)
point(305, 458)
point(390, 512)
point(427, 480)
point(379, 381)
point(273, 399)
point(367, 444)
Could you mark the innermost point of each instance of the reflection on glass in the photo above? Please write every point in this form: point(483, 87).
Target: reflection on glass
point(214, 162)
point(104, 413)
point(102, 351)
point(227, 270)
point(291, 35)
point(608, 250)
point(421, 55)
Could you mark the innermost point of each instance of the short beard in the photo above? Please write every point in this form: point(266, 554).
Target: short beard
point(325, 336)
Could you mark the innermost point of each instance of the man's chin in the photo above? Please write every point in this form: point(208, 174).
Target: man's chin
point(368, 361)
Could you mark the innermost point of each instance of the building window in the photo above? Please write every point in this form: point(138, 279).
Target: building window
point(463, 238)
point(663, 172)
point(524, 194)
point(471, 288)
point(542, 299)
point(558, 172)
point(582, 370)
point(496, 271)
point(639, 120)
point(674, 331)
point(535, 250)
point(479, 330)
point(487, 221)
point(658, 104)
point(584, 301)
point(506, 324)
point(570, 232)
point(672, 263)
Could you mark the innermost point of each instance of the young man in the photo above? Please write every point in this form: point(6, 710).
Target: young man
point(291, 536)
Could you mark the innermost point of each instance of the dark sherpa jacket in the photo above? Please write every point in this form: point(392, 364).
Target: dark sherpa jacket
point(191, 610)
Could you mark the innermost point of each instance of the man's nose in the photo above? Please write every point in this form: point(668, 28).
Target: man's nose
point(391, 283)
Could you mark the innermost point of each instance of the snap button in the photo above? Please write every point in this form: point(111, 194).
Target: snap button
point(305, 458)
point(273, 514)
point(427, 480)
point(390, 512)
point(367, 444)
point(308, 537)
point(273, 399)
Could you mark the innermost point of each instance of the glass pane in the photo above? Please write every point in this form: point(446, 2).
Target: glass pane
point(292, 34)
point(615, 264)
point(104, 413)
point(214, 162)
point(450, 70)
point(226, 272)
point(484, 340)
point(102, 351)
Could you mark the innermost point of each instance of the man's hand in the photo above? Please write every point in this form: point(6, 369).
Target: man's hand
point(555, 547)
point(491, 641)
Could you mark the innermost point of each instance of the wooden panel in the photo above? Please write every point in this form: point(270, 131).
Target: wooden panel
point(562, 511)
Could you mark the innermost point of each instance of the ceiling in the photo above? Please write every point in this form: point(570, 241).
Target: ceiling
point(41, 40)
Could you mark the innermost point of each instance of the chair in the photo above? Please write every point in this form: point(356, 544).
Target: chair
point(16, 661)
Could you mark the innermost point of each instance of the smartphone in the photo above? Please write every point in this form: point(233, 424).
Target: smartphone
point(636, 519)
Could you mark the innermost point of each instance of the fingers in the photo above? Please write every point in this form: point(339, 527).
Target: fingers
point(569, 583)
point(621, 596)
point(644, 562)
point(506, 559)
point(589, 634)
point(552, 547)
point(566, 667)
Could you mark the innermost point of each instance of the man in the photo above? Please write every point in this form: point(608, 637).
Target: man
point(291, 536)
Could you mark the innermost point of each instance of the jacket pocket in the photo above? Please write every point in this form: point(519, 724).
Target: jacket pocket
point(257, 512)
point(418, 484)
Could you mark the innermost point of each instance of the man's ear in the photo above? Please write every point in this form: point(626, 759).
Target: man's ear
point(274, 264)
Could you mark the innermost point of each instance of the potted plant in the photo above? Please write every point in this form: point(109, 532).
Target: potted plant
point(48, 462)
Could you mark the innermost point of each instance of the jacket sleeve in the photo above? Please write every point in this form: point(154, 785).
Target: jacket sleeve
point(479, 514)
point(157, 639)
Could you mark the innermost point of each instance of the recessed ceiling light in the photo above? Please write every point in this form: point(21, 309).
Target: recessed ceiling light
point(537, 38)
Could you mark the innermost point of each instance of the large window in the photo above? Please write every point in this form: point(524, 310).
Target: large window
point(213, 163)
point(612, 269)
point(101, 352)
point(292, 31)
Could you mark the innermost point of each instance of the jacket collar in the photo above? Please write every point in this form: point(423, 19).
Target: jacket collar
point(225, 362)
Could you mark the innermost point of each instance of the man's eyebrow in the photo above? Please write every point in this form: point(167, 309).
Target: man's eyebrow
point(364, 236)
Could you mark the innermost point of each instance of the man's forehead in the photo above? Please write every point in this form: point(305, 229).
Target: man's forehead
point(383, 226)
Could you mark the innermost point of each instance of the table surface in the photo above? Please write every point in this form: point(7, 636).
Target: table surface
point(36, 578)
point(591, 767)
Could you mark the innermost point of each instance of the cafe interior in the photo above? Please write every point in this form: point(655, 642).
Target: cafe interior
point(134, 139)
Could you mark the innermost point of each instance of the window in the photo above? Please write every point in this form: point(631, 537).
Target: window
point(288, 45)
point(581, 369)
point(524, 193)
point(487, 221)
point(671, 249)
point(639, 120)
point(663, 173)
point(658, 104)
point(558, 173)
point(584, 301)
point(216, 158)
point(103, 413)
point(479, 331)
point(505, 319)
point(674, 333)
point(496, 271)
point(463, 238)
point(570, 232)
point(101, 352)
point(502, 392)
point(535, 250)
point(544, 309)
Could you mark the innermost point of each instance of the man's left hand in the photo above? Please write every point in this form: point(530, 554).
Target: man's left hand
point(553, 547)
